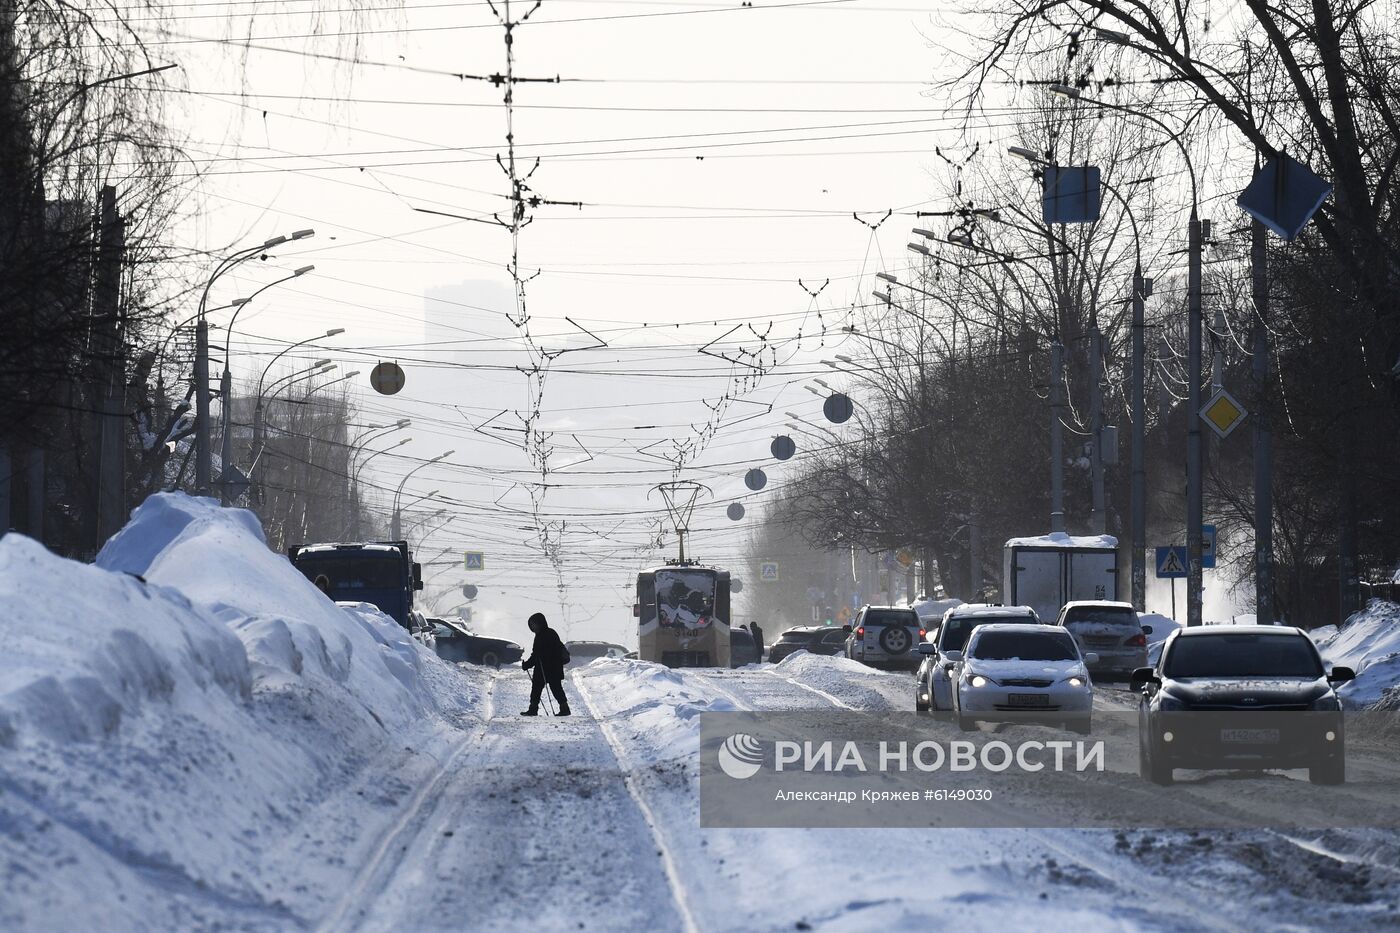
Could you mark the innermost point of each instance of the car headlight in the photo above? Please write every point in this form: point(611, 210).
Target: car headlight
point(1167, 703)
point(1326, 703)
point(977, 680)
point(1075, 681)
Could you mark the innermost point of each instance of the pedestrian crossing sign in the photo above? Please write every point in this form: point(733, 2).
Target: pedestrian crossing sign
point(768, 571)
point(475, 560)
point(1171, 562)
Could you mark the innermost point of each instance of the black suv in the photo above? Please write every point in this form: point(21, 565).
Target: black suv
point(1240, 696)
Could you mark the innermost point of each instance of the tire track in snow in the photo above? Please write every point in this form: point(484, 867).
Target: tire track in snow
point(679, 894)
point(350, 910)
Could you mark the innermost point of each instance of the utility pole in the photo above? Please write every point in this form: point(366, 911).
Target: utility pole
point(1195, 501)
point(1057, 460)
point(974, 565)
point(202, 463)
point(111, 449)
point(1096, 517)
point(226, 446)
point(1139, 479)
point(1263, 438)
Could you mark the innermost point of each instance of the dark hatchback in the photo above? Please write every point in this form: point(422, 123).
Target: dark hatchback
point(816, 639)
point(454, 644)
point(1240, 697)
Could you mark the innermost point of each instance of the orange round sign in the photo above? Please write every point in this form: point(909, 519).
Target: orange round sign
point(387, 378)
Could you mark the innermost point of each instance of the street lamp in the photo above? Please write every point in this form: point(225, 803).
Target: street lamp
point(226, 383)
point(1195, 503)
point(203, 453)
point(258, 408)
point(394, 522)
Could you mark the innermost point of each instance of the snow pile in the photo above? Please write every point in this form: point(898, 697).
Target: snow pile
point(1060, 539)
point(160, 737)
point(1368, 642)
point(1162, 626)
point(658, 706)
point(219, 559)
point(853, 684)
point(931, 610)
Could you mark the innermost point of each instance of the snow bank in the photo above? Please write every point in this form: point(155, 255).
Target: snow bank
point(655, 702)
point(1060, 539)
point(160, 733)
point(1368, 642)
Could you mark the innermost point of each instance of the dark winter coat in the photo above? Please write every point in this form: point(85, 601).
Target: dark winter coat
point(547, 655)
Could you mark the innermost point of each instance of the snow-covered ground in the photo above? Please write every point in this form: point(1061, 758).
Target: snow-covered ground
point(192, 737)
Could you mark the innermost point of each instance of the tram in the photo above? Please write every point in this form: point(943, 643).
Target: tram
point(682, 612)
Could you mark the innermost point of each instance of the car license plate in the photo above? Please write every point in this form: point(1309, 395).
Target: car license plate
point(1250, 736)
point(1028, 699)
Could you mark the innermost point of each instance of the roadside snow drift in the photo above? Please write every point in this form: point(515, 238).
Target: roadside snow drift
point(165, 713)
point(1368, 642)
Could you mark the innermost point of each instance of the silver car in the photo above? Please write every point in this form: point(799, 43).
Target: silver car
point(933, 687)
point(1110, 630)
point(885, 636)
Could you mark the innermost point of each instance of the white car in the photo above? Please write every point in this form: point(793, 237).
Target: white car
point(933, 688)
point(1008, 671)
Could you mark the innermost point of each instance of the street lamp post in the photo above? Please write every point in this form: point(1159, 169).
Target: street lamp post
point(203, 465)
point(355, 483)
point(226, 383)
point(1195, 502)
point(394, 522)
point(258, 408)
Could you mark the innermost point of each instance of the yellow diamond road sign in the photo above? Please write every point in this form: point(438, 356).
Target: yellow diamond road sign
point(1223, 413)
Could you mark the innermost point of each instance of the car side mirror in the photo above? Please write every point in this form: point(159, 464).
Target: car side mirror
point(417, 576)
point(846, 629)
point(1340, 675)
point(1142, 677)
point(637, 610)
point(1091, 658)
point(1147, 630)
point(927, 648)
point(953, 656)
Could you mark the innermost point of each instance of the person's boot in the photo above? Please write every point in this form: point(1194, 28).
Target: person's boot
point(530, 712)
point(563, 709)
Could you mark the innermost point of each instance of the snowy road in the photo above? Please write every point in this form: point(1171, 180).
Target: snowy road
point(592, 823)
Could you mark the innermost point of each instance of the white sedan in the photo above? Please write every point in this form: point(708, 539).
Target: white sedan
point(1009, 671)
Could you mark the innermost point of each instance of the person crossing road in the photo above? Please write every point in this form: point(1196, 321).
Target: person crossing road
point(546, 662)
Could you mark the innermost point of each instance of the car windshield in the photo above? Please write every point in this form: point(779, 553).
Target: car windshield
point(890, 617)
point(1024, 646)
point(1243, 655)
point(1101, 615)
point(587, 650)
point(797, 636)
point(956, 630)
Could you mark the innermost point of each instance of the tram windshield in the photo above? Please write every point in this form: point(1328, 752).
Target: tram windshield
point(685, 597)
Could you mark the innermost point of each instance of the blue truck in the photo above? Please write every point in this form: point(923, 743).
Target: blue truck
point(381, 573)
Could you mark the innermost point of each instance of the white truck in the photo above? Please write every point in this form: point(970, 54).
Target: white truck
point(1048, 571)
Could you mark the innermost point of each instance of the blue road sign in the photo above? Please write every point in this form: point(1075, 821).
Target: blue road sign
point(1171, 563)
point(1208, 547)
